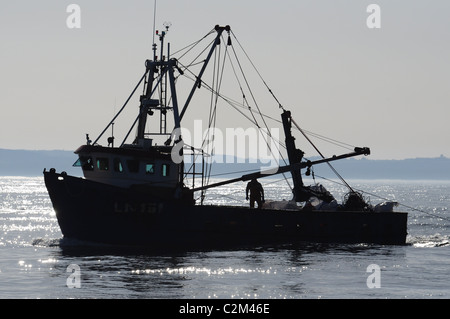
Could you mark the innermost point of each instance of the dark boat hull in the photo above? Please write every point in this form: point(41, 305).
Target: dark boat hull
point(102, 213)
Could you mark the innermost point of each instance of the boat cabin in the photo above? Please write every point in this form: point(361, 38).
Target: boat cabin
point(129, 165)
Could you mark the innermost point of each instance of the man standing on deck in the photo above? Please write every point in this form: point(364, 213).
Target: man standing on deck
point(256, 193)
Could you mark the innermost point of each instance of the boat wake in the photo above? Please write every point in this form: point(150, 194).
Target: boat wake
point(46, 242)
point(64, 243)
point(429, 241)
point(77, 247)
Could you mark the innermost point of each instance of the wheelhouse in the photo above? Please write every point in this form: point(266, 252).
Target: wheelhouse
point(129, 165)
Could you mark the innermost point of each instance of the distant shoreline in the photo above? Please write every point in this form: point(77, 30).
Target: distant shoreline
point(31, 163)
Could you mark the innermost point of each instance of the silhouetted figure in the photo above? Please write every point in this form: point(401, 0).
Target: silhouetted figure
point(256, 193)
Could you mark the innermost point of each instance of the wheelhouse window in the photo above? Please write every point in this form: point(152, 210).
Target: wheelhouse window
point(102, 163)
point(118, 167)
point(85, 162)
point(149, 168)
point(165, 170)
point(133, 166)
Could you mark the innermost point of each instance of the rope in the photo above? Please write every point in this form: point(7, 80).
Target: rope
point(259, 74)
point(256, 103)
point(193, 45)
point(280, 106)
point(318, 151)
point(236, 105)
point(245, 104)
point(120, 111)
point(217, 81)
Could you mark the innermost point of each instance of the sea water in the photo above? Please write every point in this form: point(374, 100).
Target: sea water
point(37, 262)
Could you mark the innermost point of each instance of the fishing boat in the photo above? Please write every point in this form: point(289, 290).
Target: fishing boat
point(140, 193)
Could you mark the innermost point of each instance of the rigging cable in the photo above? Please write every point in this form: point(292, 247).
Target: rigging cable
point(215, 92)
point(217, 82)
point(123, 107)
point(280, 106)
point(320, 153)
point(193, 45)
point(250, 90)
point(257, 105)
point(259, 74)
point(246, 105)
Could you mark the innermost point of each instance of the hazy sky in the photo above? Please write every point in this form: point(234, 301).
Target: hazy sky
point(385, 88)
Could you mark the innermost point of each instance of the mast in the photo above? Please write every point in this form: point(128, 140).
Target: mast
point(161, 72)
point(295, 156)
point(158, 70)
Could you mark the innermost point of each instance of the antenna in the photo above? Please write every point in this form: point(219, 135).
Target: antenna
point(111, 139)
point(167, 25)
point(154, 31)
